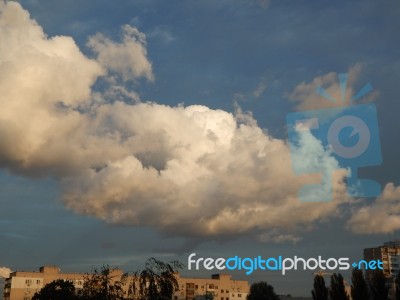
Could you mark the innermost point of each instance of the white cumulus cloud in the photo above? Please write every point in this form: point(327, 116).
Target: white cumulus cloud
point(261, 87)
point(306, 98)
point(383, 216)
point(190, 171)
point(194, 166)
point(5, 272)
point(128, 58)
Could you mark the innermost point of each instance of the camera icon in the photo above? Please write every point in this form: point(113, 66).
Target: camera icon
point(350, 134)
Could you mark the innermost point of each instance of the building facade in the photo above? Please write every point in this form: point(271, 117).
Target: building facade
point(219, 286)
point(23, 285)
point(389, 254)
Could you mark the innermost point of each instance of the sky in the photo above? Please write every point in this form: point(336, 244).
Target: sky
point(158, 128)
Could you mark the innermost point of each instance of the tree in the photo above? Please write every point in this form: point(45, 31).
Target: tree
point(337, 290)
point(57, 290)
point(377, 284)
point(210, 296)
point(262, 291)
point(320, 291)
point(106, 284)
point(359, 288)
point(397, 285)
point(156, 281)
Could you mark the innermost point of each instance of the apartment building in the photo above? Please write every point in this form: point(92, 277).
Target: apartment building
point(220, 286)
point(389, 254)
point(23, 285)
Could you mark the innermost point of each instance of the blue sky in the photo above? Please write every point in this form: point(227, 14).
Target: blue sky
point(221, 55)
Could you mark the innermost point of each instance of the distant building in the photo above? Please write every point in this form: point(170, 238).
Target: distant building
point(389, 254)
point(221, 286)
point(23, 285)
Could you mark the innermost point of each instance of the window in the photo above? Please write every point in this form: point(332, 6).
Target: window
point(227, 291)
point(38, 281)
point(222, 291)
point(240, 295)
point(190, 285)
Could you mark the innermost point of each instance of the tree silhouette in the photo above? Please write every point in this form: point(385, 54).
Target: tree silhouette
point(210, 296)
point(337, 290)
point(57, 290)
point(359, 287)
point(397, 285)
point(106, 284)
point(377, 285)
point(156, 281)
point(262, 291)
point(320, 291)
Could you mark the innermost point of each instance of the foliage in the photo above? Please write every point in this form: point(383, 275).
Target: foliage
point(397, 282)
point(262, 291)
point(320, 291)
point(359, 288)
point(156, 281)
point(57, 290)
point(377, 285)
point(337, 289)
point(210, 296)
point(106, 284)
